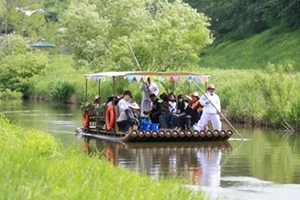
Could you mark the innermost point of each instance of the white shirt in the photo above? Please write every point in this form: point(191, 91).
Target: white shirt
point(149, 89)
point(123, 105)
point(208, 107)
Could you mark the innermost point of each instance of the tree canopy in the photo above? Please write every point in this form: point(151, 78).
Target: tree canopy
point(242, 18)
point(18, 64)
point(163, 36)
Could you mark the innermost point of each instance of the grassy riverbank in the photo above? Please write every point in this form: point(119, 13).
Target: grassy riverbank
point(279, 45)
point(34, 166)
point(254, 78)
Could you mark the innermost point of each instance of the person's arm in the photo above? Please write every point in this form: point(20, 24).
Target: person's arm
point(129, 114)
point(203, 100)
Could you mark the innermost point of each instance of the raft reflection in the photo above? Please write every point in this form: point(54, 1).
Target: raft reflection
point(195, 163)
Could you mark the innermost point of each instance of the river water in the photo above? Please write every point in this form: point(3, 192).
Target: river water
point(266, 165)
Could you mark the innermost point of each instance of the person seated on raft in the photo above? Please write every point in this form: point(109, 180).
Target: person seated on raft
point(129, 117)
point(156, 109)
point(180, 108)
point(165, 115)
point(97, 100)
point(112, 100)
point(172, 102)
point(124, 101)
point(192, 113)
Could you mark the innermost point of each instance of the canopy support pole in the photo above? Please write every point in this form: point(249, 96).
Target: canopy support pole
point(113, 85)
point(86, 85)
point(99, 84)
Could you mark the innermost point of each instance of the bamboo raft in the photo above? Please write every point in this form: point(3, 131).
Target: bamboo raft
point(167, 135)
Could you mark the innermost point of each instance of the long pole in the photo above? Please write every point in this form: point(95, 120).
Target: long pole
point(137, 62)
point(219, 112)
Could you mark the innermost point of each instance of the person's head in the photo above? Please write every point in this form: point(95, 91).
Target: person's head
point(152, 97)
point(126, 95)
point(163, 95)
point(134, 106)
point(166, 99)
point(189, 98)
point(172, 96)
point(149, 80)
point(180, 98)
point(195, 96)
point(211, 88)
point(97, 98)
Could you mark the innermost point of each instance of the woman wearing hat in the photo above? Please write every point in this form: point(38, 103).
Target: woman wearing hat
point(97, 100)
point(211, 109)
point(129, 117)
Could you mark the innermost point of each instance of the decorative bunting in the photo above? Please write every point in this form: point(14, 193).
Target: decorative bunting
point(160, 78)
point(130, 78)
point(204, 79)
point(168, 78)
point(190, 79)
point(175, 79)
point(144, 78)
point(138, 78)
point(197, 78)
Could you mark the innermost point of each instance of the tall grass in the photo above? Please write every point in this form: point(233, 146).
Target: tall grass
point(279, 45)
point(34, 166)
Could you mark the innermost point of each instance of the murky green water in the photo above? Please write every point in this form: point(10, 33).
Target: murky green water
point(266, 165)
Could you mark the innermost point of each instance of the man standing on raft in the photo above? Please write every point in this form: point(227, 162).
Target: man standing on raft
point(211, 109)
point(147, 88)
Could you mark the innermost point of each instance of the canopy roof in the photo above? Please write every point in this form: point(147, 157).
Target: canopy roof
point(159, 76)
point(42, 44)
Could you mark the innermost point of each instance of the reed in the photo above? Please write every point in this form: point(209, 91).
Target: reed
point(34, 166)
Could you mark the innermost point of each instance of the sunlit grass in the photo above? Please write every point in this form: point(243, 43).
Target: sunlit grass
point(278, 45)
point(34, 166)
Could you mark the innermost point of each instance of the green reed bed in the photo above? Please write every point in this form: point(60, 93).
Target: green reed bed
point(34, 166)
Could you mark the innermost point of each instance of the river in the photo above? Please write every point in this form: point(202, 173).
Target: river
point(266, 165)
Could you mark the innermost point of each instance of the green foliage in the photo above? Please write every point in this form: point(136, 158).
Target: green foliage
point(243, 18)
point(165, 39)
point(18, 64)
point(8, 94)
point(170, 42)
point(61, 90)
point(12, 45)
point(86, 31)
point(37, 167)
point(279, 45)
point(278, 86)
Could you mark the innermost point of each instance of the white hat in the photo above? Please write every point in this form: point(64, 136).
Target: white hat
point(134, 105)
point(189, 97)
point(195, 94)
point(211, 86)
point(97, 97)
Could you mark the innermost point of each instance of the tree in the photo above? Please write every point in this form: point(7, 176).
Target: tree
point(170, 42)
point(2, 14)
point(18, 64)
point(163, 35)
point(86, 32)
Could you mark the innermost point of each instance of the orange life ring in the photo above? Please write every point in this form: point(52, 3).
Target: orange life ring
point(109, 117)
point(85, 120)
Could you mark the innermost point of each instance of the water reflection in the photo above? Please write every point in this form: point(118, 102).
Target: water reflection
point(195, 163)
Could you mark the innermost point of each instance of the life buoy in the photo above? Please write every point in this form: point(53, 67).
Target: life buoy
point(85, 120)
point(109, 117)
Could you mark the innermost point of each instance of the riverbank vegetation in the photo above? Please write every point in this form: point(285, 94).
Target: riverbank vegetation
point(252, 56)
point(34, 166)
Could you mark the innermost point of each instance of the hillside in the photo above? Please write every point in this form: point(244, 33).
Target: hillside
point(278, 45)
